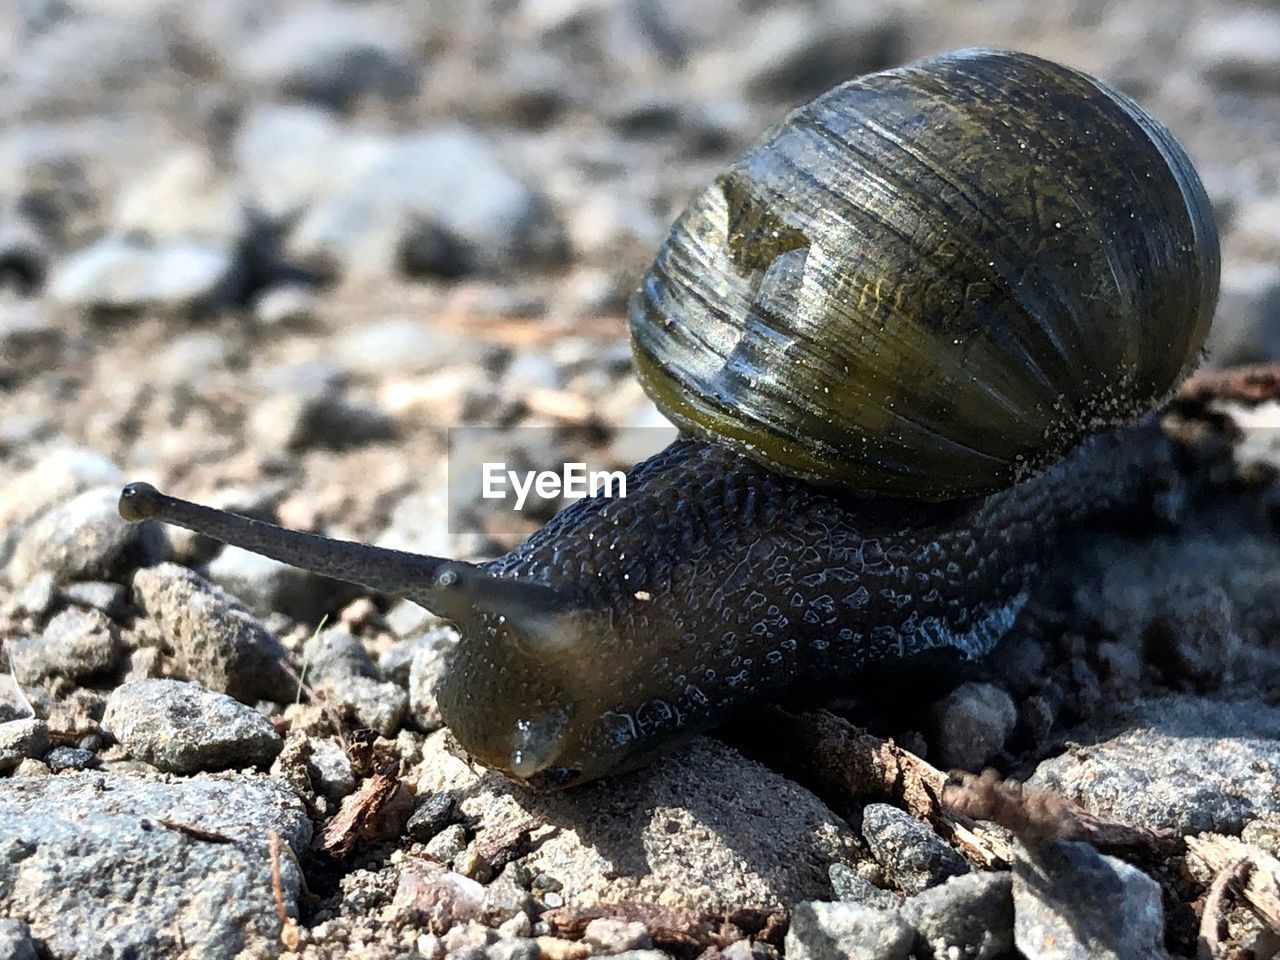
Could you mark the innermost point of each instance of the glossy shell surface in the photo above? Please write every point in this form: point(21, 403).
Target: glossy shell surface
point(933, 281)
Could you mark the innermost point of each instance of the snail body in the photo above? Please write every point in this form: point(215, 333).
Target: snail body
point(898, 336)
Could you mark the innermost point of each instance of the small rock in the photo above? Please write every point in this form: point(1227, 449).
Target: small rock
point(60, 759)
point(507, 898)
point(513, 948)
point(37, 595)
point(290, 304)
point(609, 935)
point(330, 768)
point(392, 195)
point(75, 644)
point(104, 832)
point(448, 843)
point(1068, 899)
point(16, 942)
point(912, 855)
point(973, 721)
point(125, 276)
point(396, 662)
point(404, 619)
point(333, 55)
point(406, 346)
point(437, 897)
point(85, 539)
point(183, 197)
point(466, 941)
point(268, 586)
point(966, 918)
point(108, 598)
point(695, 829)
point(1246, 326)
point(432, 814)
point(846, 931)
point(179, 728)
point(30, 341)
point(282, 151)
point(1264, 832)
point(847, 884)
point(55, 478)
point(215, 639)
point(375, 704)
point(21, 740)
point(1240, 47)
point(317, 416)
point(1190, 764)
point(425, 675)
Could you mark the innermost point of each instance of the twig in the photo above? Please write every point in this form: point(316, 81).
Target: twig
point(1036, 815)
point(853, 762)
point(191, 830)
point(1262, 889)
point(1223, 893)
point(288, 925)
point(277, 885)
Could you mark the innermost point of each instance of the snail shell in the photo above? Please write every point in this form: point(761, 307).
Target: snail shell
point(932, 281)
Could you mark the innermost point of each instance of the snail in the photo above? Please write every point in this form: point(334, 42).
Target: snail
point(917, 328)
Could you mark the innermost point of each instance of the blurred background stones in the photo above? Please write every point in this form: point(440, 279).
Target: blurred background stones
point(296, 241)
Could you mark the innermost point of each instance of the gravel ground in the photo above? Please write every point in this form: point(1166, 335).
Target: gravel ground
point(265, 254)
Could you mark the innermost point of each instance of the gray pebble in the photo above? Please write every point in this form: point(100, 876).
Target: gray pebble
point(912, 855)
point(425, 675)
point(966, 918)
point(333, 55)
point(848, 885)
point(21, 740)
point(268, 586)
point(60, 759)
point(16, 942)
point(85, 539)
point(448, 843)
point(215, 639)
point(288, 304)
point(432, 814)
point(109, 598)
point(376, 704)
point(1246, 326)
point(395, 193)
point(1240, 48)
point(1069, 901)
point(846, 931)
point(179, 728)
point(76, 644)
point(115, 275)
point(611, 936)
point(37, 595)
point(56, 477)
point(406, 346)
point(90, 864)
point(507, 897)
point(281, 151)
point(513, 948)
point(1186, 763)
point(330, 768)
point(396, 662)
point(973, 721)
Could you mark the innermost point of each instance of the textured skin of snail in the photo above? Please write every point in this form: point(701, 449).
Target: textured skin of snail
point(898, 336)
point(718, 582)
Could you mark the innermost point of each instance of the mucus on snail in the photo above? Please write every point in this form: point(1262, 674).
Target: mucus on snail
point(907, 337)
